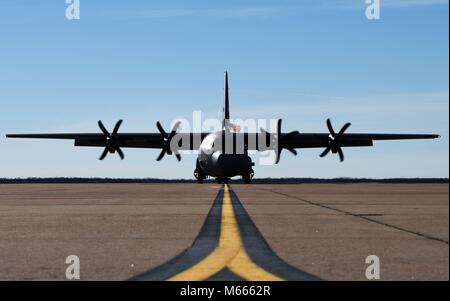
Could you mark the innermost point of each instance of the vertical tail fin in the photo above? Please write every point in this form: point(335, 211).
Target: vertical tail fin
point(226, 104)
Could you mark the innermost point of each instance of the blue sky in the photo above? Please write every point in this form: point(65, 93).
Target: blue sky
point(302, 61)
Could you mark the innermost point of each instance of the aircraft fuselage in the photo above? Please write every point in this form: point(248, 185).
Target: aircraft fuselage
point(214, 161)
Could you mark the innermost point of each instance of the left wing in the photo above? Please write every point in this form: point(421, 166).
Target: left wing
point(335, 141)
point(314, 140)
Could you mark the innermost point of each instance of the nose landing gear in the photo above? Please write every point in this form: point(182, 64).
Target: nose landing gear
point(221, 180)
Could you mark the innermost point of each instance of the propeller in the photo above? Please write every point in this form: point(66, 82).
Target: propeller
point(277, 140)
point(167, 140)
point(334, 140)
point(111, 140)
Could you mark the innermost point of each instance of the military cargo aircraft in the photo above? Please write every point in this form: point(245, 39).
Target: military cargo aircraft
point(223, 154)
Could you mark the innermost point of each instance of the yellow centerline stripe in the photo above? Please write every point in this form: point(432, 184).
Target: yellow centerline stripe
point(230, 253)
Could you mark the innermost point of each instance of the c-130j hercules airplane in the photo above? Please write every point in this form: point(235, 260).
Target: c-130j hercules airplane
point(223, 154)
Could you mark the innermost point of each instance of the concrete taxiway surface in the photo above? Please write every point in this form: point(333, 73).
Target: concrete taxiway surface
point(121, 231)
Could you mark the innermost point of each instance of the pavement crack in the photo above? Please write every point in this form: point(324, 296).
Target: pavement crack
point(364, 217)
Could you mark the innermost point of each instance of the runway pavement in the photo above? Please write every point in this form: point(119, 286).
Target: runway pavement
point(228, 247)
point(329, 230)
point(254, 232)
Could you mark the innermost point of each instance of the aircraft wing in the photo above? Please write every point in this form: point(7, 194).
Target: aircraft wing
point(335, 142)
point(156, 141)
point(114, 141)
point(132, 140)
point(313, 140)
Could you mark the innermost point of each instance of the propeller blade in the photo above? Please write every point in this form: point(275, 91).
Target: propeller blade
point(176, 126)
point(278, 144)
point(278, 156)
point(116, 127)
point(161, 130)
point(341, 154)
point(330, 127)
point(172, 134)
point(103, 129)
point(326, 151)
point(279, 127)
point(104, 154)
point(161, 154)
point(344, 128)
point(178, 157)
point(292, 150)
point(120, 152)
point(167, 148)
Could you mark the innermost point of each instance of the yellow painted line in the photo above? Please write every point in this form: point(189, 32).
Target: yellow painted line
point(230, 253)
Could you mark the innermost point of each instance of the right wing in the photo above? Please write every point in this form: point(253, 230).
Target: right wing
point(113, 142)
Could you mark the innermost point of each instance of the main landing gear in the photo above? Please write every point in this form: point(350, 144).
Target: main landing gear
point(247, 178)
point(199, 174)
